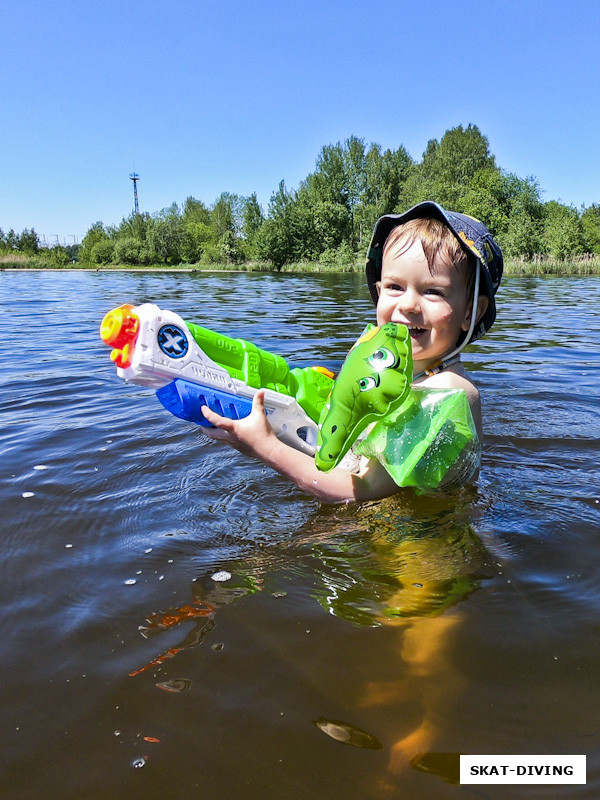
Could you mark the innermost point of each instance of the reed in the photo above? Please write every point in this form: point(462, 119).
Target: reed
point(588, 264)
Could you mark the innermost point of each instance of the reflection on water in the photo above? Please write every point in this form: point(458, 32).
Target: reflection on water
point(414, 629)
point(402, 560)
point(405, 557)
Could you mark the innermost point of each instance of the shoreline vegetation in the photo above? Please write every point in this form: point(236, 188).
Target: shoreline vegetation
point(325, 224)
point(587, 264)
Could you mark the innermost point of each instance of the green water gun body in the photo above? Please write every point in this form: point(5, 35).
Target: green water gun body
point(190, 366)
point(424, 438)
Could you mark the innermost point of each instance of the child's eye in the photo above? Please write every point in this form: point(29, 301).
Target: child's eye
point(435, 292)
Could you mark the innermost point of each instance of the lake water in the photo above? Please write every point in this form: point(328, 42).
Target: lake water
point(432, 626)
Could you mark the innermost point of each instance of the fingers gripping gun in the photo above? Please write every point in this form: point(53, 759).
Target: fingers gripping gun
point(190, 366)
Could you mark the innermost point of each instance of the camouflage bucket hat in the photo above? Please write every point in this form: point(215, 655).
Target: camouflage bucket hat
point(472, 235)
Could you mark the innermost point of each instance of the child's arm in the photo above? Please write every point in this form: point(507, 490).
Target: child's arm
point(253, 436)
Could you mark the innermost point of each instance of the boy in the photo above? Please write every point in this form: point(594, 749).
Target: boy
point(437, 273)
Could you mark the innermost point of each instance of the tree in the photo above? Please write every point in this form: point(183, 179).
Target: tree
point(523, 235)
point(226, 215)
point(328, 182)
point(252, 216)
point(127, 250)
point(198, 233)
point(282, 236)
point(28, 242)
point(195, 211)
point(59, 256)
point(102, 252)
point(135, 226)
point(460, 156)
point(509, 206)
point(252, 221)
point(12, 240)
point(590, 225)
point(563, 233)
point(94, 236)
point(385, 176)
point(447, 168)
point(487, 199)
point(164, 237)
point(331, 226)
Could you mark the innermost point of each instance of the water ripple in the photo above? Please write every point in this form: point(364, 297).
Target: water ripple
point(116, 513)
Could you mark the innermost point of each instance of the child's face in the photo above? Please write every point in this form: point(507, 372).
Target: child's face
point(434, 307)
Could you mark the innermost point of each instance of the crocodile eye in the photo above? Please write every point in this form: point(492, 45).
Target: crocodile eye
point(383, 359)
point(368, 383)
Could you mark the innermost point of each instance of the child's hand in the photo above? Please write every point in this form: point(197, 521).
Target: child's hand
point(251, 435)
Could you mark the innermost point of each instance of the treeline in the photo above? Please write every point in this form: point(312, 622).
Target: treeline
point(25, 246)
point(329, 218)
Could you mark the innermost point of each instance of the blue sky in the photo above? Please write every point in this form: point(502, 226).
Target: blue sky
point(205, 96)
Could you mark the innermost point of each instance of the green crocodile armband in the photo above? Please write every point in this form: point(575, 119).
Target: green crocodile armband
point(429, 443)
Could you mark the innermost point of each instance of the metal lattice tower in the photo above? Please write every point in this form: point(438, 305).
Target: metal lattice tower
point(135, 178)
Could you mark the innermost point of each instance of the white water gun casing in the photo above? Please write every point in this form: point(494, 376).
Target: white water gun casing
point(156, 348)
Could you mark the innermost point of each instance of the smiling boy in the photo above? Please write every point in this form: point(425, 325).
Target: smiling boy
point(434, 271)
point(427, 283)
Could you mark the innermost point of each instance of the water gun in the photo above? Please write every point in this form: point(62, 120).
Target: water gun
point(189, 366)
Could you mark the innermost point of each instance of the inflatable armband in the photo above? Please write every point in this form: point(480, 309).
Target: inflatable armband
point(429, 443)
point(374, 381)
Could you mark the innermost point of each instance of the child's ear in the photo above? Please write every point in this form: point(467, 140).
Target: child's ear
point(482, 304)
point(378, 285)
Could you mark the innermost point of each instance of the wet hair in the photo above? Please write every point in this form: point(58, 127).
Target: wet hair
point(437, 240)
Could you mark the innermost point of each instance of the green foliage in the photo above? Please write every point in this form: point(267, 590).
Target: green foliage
point(364, 181)
point(164, 237)
point(590, 225)
point(94, 236)
point(127, 250)
point(447, 168)
point(102, 252)
point(563, 234)
point(59, 257)
point(12, 240)
point(330, 217)
point(26, 243)
point(194, 211)
point(252, 221)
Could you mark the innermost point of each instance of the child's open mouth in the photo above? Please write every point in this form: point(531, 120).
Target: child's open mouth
point(415, 332)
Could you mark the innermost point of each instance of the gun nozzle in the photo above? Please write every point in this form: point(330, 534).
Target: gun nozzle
point(120, 326)
point(119, 329)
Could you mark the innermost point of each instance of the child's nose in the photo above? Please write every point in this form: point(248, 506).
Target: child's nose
point(409, 302)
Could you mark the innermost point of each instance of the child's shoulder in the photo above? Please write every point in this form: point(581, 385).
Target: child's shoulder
point(454, 377)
